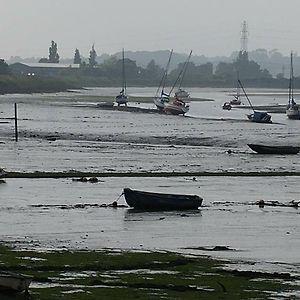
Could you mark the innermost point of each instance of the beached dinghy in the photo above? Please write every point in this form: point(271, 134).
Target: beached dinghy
point(14, 282)
point(265, 149)
point(2, 173)
point(160, 201)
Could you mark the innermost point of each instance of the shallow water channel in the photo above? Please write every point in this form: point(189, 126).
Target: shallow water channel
point(67, 134)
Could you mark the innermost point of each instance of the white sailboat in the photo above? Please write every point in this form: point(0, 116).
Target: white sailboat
point(122, 98)
point(179, 105)
point(161, 97)
point(292, 110)
point(182, 94)
point(236, 97)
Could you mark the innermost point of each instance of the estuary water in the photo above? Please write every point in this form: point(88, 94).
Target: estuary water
point(67, 131)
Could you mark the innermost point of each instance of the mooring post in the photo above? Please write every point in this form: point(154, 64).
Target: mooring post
point(16, 123)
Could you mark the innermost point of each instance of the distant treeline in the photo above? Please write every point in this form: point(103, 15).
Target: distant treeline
point(109, 73)
point(10, 84)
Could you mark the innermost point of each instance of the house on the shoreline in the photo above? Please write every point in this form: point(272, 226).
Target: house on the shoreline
point(42, 69)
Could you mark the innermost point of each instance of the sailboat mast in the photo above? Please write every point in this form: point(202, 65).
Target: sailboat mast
point(165, 75)
point(246, 95)
point(185, 68)
point(181, 73)
point(291, 85)
point(123, 72)
point(237, 96)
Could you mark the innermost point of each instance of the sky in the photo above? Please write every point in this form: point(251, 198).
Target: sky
point(208, 27)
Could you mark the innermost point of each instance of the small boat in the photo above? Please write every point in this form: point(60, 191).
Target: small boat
point(293, 109)
point(2, 173)
point(161, 97)
point(182, 94)
point(264, 149)
point(256, 116)
point(179, 106)
point(14, 282)
point(160, 201)
point(227, 106)
point(259, 117)
point(122, 98)
point(176, 107)
point(236, 97)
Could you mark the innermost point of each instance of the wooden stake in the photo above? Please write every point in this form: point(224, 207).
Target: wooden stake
point(16, 123)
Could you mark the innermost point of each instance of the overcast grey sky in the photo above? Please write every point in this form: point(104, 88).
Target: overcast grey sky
point(209, 27)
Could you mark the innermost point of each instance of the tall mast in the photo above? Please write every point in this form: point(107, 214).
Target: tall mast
point(291, 83)
point(246, 95)
point(123, 71)
point(185, 68)
point(181, 73)
point(164, 78)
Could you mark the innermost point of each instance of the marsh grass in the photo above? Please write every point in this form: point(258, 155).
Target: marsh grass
point(109, 274)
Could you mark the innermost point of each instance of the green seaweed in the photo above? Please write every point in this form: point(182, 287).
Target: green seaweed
point(114, 274)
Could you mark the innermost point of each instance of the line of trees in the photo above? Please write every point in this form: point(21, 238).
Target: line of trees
point(109, 72)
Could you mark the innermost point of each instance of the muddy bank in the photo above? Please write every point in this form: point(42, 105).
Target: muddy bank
point(140, 274)
point(68, 174)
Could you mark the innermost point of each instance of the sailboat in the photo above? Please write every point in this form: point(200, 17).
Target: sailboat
point(122, 98)
point(161, 97)
point(292, 110)
point(181, 93)
point(236, 99)
point(179, 106)
point(256, 116)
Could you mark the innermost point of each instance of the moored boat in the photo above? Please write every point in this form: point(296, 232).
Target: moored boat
point(176, 107)
point(161, 201)
point(293, 109)
point(259, 117)
point(14, 282)
point(179, 105)
point(161, 97)
point(182, 94)
point(2, 173)
point(265, 149)
point(122, 98)
point(256, 116)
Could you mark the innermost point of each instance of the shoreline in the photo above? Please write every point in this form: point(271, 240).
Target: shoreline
point(70, 174)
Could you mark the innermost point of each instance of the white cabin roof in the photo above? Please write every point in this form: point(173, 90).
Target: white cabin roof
point(51, 65)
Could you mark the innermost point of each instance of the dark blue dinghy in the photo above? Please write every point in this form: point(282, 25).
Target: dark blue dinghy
point(160, 201)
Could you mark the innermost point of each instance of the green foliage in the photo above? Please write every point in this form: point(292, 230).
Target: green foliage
point(140, 275)
point(93, 57)
point(77, 58)
point(53, 55)
point(4, 69)
point(35, 84)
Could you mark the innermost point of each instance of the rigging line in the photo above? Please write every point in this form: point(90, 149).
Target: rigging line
point(185, 68)
point(245, 94)
point(123, 72)
point(181, 73)
point(163, 80)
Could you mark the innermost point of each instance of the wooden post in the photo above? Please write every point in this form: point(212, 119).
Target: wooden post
point(16, 123)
